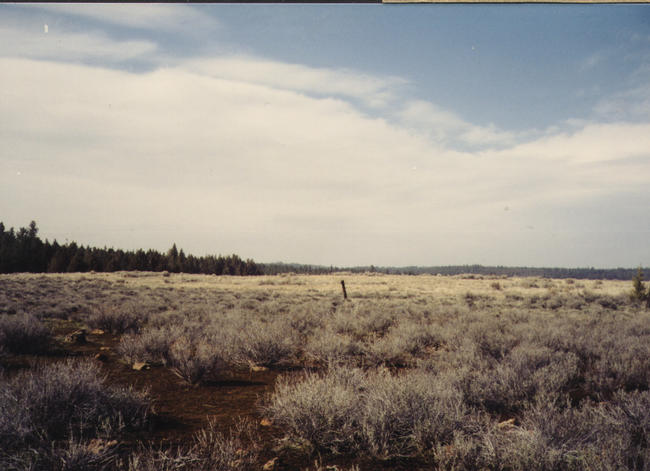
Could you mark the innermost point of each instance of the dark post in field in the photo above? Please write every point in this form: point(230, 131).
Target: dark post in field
point(345, 294)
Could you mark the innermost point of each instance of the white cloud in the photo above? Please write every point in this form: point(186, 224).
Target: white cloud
point(593, 143)
point(184, 18)
point(276, 171)
point(631, 104)
point(374, 91)
point(448, 129)
point(25, 41)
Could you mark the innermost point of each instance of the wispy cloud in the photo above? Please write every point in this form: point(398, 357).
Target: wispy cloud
point(141, 16)
point(592, 61)
point(372, 90)
point(632, 104)
point(448, 129)
point(20, 40)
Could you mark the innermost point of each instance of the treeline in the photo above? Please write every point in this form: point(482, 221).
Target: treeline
point(24, 251)
point(279, 267)
point(578, 273)
point(542, 272)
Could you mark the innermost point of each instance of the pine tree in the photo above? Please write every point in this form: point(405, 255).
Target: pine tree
point(638, 292)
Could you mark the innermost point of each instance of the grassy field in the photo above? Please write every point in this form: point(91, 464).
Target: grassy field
point(144, 371)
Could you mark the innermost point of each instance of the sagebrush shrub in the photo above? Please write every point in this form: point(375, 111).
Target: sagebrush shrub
point(526, 372)
point(24, 333)
point(321, 410)
point(67, 401)
point(68, 397)
point(327, 346)
point(375, 413)
point(150, 345)
point(271, 343)
point(408, 414)
point(211, 450)
point(191, 350)
point(494, 339)
point(117, 319)
point(76, 455)
point(605, 437)
point(401, 344)
point(194, 358)
point(623, 363)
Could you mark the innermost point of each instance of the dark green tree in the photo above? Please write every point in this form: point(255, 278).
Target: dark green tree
point(638, 290)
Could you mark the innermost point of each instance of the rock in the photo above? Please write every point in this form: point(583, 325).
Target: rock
point(271, 464)
point(77, 337)
point(266, 423)
point(101, 357)
point(140, 365)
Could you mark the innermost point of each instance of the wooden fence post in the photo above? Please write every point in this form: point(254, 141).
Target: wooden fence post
point(345, 294)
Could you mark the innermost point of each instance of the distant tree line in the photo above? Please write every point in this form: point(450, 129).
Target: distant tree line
point(24, 251)
point(542, 272)
point(279, 267)
point(578, 273)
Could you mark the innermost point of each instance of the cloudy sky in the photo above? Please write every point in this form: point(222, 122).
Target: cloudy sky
point(332, 134)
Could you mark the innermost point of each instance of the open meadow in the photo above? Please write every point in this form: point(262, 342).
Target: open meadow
point(159, 371)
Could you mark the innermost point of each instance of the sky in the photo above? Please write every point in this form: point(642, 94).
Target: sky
point(346, 135)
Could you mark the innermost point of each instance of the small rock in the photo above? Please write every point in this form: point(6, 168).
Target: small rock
point(271, 464)
point(76, 337)
point(266, 423)
point(97, 332)
point(101, 357)
point(140, 365)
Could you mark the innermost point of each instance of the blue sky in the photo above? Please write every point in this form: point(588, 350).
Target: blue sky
point(332, 134)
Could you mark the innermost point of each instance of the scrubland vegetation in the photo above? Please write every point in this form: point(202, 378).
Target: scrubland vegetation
point(411, 372)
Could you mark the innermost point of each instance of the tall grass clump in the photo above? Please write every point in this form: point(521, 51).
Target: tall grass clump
point(24, 333)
